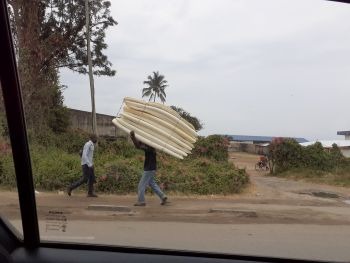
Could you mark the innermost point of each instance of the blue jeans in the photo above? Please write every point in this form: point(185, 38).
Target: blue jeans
point(148, 179)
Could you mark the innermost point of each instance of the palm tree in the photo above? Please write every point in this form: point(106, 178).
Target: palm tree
point(156, 87)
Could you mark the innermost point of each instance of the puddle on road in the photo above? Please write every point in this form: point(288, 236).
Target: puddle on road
point(325, 195)
point(321, 194)
point(238, 213)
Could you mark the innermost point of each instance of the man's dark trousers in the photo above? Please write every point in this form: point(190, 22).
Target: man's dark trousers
point(88, 177)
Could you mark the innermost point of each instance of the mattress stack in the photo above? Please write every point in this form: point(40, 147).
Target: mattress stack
point(158, 126)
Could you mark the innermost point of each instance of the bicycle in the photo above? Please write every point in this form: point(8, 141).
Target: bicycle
point(261, 166)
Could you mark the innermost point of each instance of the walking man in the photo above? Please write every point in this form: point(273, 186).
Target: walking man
point(148, 176)
point(88, 168)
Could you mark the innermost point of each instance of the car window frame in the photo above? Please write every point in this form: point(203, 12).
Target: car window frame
point(9, 81)
point(10, 85)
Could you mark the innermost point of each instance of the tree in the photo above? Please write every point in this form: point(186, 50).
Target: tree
point(188, 117)
point(273, 152)
point(91, 75)
point(156, 87)
point(49, 35)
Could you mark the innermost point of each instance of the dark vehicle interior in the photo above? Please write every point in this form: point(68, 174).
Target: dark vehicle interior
point(29, 248)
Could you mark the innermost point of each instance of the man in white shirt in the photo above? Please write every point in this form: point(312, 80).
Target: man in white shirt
point(88, 168)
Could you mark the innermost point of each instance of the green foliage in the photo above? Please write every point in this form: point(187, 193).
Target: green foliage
point(60, 29)
point(201, 176)
point(156, 87)
point(197, 124)
point(58, 113)
point(51, 34)
point(212, 147)
point(122, 176)
point(53, 168)
point(120, 147)
point(287, 155)
point(7, 170)
point(3, 125)
point(70, 141)
point(59, 119)
point(119, 166)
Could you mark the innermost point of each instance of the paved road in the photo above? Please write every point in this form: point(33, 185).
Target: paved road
point(297, 241)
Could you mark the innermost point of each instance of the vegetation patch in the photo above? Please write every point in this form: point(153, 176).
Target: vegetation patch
point(289, 159)
point(119, 166)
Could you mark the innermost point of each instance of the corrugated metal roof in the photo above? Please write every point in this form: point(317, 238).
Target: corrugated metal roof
point(328, 144)
point(248, 138)
point(343, 132)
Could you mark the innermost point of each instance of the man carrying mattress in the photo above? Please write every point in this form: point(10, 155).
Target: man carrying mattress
point(148, 176)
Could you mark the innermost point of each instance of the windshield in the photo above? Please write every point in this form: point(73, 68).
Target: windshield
point(216, 126)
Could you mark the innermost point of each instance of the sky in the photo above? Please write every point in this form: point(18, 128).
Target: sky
point(248, 67)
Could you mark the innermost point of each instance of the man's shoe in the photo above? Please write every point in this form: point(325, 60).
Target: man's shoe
point(140, 204)
point(164, 200)
point(69, 191)
point(91, 195)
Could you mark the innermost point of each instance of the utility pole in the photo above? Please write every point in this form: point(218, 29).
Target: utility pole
point(91, 77)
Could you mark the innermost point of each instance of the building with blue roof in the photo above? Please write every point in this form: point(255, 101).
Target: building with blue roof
point(259, 139)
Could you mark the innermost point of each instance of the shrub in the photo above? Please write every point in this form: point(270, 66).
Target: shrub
point(201, 176)
point(119, 166)
point(122, 177)
point(7, 171)
point(121, 147)
point(317, 158)
point(212, 147)
point(287, 155)
point(54, 168)
point(58, 119)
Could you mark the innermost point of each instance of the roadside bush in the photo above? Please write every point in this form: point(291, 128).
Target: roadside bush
point(200, 176)
point(54, 168)
point(212, 147)
point(3, 125)
point(287, 154)
point(120, 147)
point(119, 166)
point(7, 171)
point(317, 158)
point(58, 119)
point(122, 177)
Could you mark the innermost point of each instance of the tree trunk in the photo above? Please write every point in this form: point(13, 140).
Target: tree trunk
point(91, 77)
point(34, 91)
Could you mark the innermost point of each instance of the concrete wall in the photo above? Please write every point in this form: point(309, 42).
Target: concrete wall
point(82, 120)
point(345, 152)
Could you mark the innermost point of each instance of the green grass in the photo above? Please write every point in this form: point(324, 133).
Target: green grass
point(56, 165)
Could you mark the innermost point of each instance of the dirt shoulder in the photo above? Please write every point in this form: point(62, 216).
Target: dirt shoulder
point(267, 200)
point(270, 187)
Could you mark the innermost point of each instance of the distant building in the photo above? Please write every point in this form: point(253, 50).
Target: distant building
point(346, 133)
point(253, 144)
point(258, 139)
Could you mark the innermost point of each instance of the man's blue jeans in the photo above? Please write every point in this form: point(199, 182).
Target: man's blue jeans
point(148, 179)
